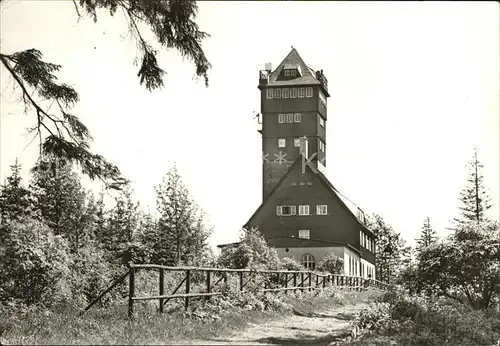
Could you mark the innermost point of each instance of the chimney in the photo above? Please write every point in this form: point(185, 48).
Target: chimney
point(269, 66)
point(304, 147)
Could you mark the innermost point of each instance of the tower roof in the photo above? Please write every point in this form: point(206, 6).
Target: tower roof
point(293, 59)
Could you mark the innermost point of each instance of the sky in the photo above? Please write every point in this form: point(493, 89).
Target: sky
point(414, 87)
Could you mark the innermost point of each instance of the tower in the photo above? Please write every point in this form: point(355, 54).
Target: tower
point(294, 114)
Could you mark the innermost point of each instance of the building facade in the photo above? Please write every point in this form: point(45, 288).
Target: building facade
point(302, 214)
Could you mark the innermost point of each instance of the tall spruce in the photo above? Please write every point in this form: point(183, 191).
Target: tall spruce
point(428, 235)
point(474, 199)
point(179, 235)
point(61, 200)
point(15, 200)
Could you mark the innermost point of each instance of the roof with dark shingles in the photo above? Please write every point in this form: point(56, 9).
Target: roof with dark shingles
point(344, 201)
point(293, 59)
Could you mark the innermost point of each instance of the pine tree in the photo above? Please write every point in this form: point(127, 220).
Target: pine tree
point(428, 235)
point(475, 202)
point(179, 236)
point(15, 199)
point(61, 200)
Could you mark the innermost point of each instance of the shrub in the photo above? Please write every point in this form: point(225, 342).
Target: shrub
point(290, 263)
point(35, 264)
point(331, 264)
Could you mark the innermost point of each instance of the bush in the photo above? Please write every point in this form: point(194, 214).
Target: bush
point(35, 264)
point(290, 263)
point(427, 321)
point(331, 264)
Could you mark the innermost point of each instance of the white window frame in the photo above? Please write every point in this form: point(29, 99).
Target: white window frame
point(309, 92)
point(321, 121)
point(287, 73)
point(321, 146)
point(281, 142)
point(361, 238)
point(279, 210)
point(281, 118)
point(285, 93)
point(277, 93)
point(322, 209)
point(293, 73)
point(296, 142)
point(304, 210)
point(322, 98)
point(289, 118)
point(300, 93)
point(293, 93)
point(304, 234)
point(297, 117)
point(269, 94)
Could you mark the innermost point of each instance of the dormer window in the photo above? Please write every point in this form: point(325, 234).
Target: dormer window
point(287, 73)
point(291, 71)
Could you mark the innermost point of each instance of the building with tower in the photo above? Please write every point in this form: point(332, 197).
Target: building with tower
point(302, 214)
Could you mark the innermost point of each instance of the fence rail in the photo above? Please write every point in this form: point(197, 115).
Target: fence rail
point(281, 280)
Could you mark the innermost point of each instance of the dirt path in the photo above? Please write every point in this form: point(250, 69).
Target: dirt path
point(320, 328)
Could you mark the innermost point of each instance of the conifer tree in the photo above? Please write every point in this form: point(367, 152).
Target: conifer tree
point(61, 200)
point(179, 235)
point(428, 235)
point(15, 199)
point(474, 199)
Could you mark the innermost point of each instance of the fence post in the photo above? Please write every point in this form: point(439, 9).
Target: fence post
point(186, 302)
point(310, 283)
point(302, 279)
point(317, 280)
point(324, 280)
point(294, 279)
point(208, 283)
point(131, 290)
point(241, 281)
point(286, 282)
point(162, 287)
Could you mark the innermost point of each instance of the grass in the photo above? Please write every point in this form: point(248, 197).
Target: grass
point(111, 325)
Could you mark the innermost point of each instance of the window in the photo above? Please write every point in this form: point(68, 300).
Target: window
point(321, 121)
point(309, 92)
point(321, 146)
point(303, 210)
point(300, 93)
point(281, 118)
point(293, 73)
point(297, 117)
point(282, 142)
point(296, 142)
point(289, 117)
point(361, 238)
point(322, 98)
point(277, 93)
point(269, 93)
point(304, 233)
point(285, 92)
point(293, 93)
point(321, 209)
point(287, 73)
point(307, 261)
point(366, 241)
point(286, 210)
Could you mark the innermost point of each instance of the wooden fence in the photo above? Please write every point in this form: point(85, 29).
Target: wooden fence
point(275, 280)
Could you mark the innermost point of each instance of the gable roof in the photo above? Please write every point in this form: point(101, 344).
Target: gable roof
point(348, 205)
point(293, 59)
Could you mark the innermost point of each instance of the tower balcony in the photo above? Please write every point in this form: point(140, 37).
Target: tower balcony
point(264, 77)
